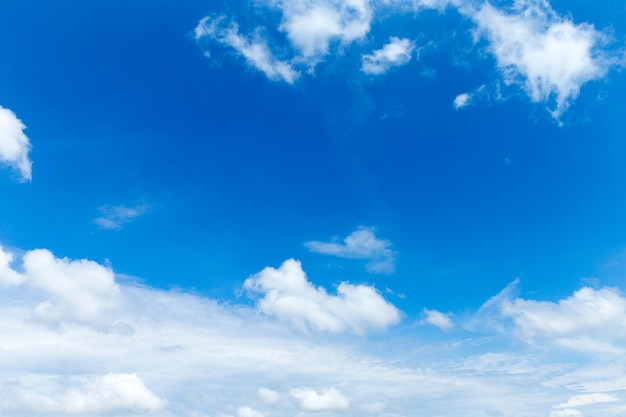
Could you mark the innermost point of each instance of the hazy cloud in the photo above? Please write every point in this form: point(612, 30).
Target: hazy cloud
point(437, 319)
point(114, 217)
point(396, 52)
point(326, 400)
point(360, 244)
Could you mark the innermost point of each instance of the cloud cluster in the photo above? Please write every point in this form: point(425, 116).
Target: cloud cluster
point(14, 144)
point(361, 244)
point(288, 294)
point(143, 350)
point(550, 56)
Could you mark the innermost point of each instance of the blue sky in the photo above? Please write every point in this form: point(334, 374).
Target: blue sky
point(317, 208)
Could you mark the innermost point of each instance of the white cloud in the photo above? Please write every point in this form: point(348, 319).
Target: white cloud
point(255, 50)
point(361, 244)
point(288, 295)
point(462, 100)
point(549, 55)
point(437, 319)
point(14, 144)
point(586, 399)
point(311, 25)
point(568, 412)
point(396, 52)
point(76, 395)
point(8, 276)
point(268, 396)
point(248, 412)
point(588, 312)
point(327, 400)
point(113, 218)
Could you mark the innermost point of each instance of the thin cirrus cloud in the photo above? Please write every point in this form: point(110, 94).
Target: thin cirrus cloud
point(14, 144)
point(169, 353)
point(548, 55)
point(360, 244)
point(287, 294)
point(115, 217)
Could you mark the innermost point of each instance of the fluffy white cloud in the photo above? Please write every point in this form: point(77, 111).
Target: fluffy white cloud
point(396, 52)
point(549, 55)
point(588, 312)
point(14, 144)
point(462, 100)
point(437, 318)
point(288, 295)
point(113, 218)
point(311, 25)
point(8, 276)
point(361, 244)
point(328, 399)
point(254, 50)
point(248, 412)
point(268, 396)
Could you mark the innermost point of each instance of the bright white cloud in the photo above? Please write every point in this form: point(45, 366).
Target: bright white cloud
point(8, 276)
point(288, 294)
point(248, 412)
point(549, 55)
point(268, 396)
point(361, 244)
point(113, 218)
point(437, 319)
point(76, 395)
point(462, 100)
point(311, 25)
point(14, 144)
point(588, 312)
point(255, 50)
point(396, 52)
point(326, 400)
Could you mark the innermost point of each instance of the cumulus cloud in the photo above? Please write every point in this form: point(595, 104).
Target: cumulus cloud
point(588, 312)
point(328, 399)
point(462, 100)
point(8, 276)
point(106, 394)
point(288, 294)
point(248, 412)
point(437, 319)
point(361, 244)
point(114, 217)
point(254, 49)
point(14, 144)
point(548, 54)
point(396, 52)
point(268, 396)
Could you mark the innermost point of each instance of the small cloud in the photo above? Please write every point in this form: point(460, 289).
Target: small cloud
point(248, 412)
point(436, 318)
point(113, 218)
point(268, 396)
point(462, 100)
point(327, 400)
point(14, 144)
point(361, 244)
point(288, 295)
point(396, 52)
point(586, 399)
point(255, 50)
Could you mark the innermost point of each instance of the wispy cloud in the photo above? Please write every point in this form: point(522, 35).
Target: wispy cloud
point(14, 144)
point(361, 244)
point(396, 52)
point(114, 217)
point(437, 319)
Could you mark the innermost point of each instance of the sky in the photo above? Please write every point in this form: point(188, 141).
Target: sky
point(312, 208)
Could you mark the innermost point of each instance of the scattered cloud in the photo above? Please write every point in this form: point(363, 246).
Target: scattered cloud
point(462, 100)
point(288, 295)
point(586, 399)
point(548, 54)
point(437, 319)
point(248, 412)
point(114, 217)
point(14, 144)
point(396, 52)
point(361, 244)
point(268, 396)
point(255, 50)
point(328, 399)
